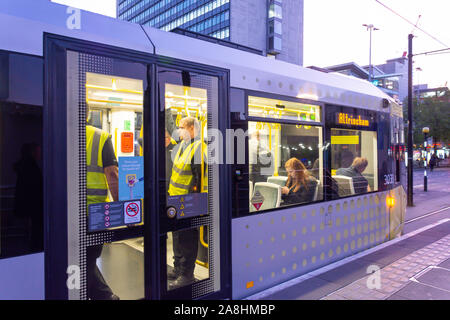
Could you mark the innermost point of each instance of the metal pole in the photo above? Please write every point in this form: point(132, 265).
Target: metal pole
point(370, 57)
point(425, 178)
point(410, 123)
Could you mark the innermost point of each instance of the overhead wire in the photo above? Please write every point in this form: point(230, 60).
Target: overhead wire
point(415, 25)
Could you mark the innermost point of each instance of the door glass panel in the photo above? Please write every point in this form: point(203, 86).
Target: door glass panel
point(105, 175)
point(119, 266)
point(192, 245)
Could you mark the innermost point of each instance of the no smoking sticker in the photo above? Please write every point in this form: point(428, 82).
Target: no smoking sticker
point(132, 212)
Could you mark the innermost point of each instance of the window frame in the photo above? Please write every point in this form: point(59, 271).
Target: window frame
point(330, 125)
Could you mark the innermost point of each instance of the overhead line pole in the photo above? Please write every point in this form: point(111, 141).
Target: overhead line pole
point(410, 123)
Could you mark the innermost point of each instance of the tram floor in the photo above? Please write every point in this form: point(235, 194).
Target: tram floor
point(122, 266)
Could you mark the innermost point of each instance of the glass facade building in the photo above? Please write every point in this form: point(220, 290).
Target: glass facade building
point(210, 17)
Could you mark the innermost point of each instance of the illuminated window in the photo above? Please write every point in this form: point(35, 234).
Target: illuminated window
point(354, 165)
point(278, 109)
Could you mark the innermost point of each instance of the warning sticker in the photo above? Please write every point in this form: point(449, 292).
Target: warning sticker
point(257, 200)
point(132, 212)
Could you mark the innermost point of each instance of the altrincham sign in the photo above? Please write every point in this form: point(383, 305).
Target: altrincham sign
point(345, 118)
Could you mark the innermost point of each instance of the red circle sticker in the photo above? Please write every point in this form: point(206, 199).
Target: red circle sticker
point(132, 209)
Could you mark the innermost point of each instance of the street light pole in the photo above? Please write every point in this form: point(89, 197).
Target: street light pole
point(370, 27)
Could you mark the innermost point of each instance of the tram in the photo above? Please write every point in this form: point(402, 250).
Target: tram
point(63, 70)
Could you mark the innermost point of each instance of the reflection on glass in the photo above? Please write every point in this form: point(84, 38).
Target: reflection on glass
point(187, 257)
point(116, 270)
point(21, 180)
point(285, 165)
point(354, 166)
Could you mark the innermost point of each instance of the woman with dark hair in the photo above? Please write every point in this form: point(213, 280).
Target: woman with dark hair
point(300, 186)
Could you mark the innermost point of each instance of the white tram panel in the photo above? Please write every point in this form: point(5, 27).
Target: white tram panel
point(247, 70)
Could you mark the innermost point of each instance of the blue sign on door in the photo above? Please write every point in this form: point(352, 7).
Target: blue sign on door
point(131, 178)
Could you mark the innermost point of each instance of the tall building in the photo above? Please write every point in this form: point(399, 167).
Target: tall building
point(273, 27)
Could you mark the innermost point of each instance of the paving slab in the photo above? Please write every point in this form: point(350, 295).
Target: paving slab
point(439, 278)
point(445, 264)
point(418, 291)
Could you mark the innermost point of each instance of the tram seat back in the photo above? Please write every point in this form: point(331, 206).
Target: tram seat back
point(271, 193)
point(316, 193)
point(345, 185)
point(279, 180)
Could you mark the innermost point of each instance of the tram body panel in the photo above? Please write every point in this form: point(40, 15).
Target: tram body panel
point(275, 247)
point(22, 278)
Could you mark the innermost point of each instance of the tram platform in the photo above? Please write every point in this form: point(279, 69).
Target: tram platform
point(415, 266)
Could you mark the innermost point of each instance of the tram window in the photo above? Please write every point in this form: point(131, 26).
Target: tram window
point(354, 164)
point(287, 110)
point(285, 165)
point(21, 186)
point(115, 106)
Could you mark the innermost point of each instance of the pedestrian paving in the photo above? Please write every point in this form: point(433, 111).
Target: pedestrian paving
point(400, 277)
point(415, 266)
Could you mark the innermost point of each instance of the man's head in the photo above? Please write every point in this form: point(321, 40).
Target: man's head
point(360, 164)
point(189, 128)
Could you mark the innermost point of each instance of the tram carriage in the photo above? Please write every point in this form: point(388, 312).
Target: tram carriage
point(60, 67)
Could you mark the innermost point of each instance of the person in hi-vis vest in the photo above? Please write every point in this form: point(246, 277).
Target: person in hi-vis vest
point(186, 177)
point(102, 175)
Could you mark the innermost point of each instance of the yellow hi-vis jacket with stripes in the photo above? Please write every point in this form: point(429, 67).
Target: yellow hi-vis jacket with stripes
point(181, 179)
point(97, 185)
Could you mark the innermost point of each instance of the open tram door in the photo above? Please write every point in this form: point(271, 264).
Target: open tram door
point(119, 224)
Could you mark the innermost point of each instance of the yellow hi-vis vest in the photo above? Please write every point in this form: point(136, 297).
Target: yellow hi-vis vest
point(181, 179)
point(97, 185)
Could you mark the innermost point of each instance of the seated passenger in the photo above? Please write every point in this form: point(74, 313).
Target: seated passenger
point(300, 186)
point(360, 184)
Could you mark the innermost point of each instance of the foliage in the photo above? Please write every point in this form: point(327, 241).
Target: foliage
point(431, 113)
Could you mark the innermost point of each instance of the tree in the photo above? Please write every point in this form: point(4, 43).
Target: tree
point(431, 113)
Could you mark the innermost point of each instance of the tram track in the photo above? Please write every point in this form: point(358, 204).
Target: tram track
point(427, 215)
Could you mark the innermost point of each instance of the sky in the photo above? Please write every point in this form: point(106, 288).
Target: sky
point(334, 32)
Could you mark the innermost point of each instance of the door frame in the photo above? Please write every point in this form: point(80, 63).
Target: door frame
point(55, 164)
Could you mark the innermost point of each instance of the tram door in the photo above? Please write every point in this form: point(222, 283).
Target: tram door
point(106, 102)
point(190, 217)
point(134, 194)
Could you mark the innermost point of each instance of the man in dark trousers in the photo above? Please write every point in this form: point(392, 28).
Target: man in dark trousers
point(186, 178)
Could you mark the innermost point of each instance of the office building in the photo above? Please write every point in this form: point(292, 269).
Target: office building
point(391, 77)
point(273, 27)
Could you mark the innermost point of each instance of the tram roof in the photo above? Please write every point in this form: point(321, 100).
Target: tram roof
point(24, 23)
